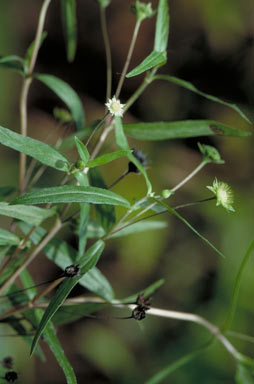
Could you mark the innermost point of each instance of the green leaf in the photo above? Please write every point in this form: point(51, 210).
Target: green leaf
point(107, 158)
point(165, 372)
point(155, 59)
point(237, 287)
point(13, 62)
point(162, 27)
point(6, 192)
point(69, 27)
point(32, 215)
point(122, 142)
point(171, 210)
point(141, 226)
point(86, 262)
point(192, 88)
point(244, 375)
point(51, 339)
point(67, 95)
point(29, 52)
point(8, 238)
point(62, 254)
point(82, 150)
point(180, 129)
point(84, 217)
point(146, 292)
point(34, 148)
point(72, 194)
point(105, 214)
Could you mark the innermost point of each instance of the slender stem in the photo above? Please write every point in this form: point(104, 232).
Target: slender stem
point(147, 80)
point(31, 257)
point(25, 89)
point(107, 51)
point(119, 179)
point(96, 128)
point(101, 141)
point(128, 59)
point(190, 176)
point(54, 284)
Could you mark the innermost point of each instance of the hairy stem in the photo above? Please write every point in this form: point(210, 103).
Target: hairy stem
point(25, 89)
point(107, 51)
point(128, 59)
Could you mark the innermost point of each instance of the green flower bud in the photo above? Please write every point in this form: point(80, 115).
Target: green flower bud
point(210, 154)
point(142, 10)
point(62, 115)
point(166, 193)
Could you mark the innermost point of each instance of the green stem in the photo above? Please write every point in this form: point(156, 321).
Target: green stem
point(25, 90)
point(190, 176)
point(128, 59)
point(107, 51)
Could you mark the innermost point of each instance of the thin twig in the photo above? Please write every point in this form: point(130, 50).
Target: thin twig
point(107, 51)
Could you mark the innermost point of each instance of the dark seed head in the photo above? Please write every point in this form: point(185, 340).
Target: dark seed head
point(7, 362)
point(11, 376)
point(72, 270)
point(141, 157)
point(143, 301)
point(139, 313)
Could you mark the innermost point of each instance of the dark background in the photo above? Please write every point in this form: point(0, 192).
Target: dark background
point(211, 45)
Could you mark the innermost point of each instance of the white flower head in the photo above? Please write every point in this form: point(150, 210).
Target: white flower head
point(223, 193)
point(115, 107)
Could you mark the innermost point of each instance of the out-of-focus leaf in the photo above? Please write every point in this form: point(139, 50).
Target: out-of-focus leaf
point(67, 95)
point(62, 254)
point(32, 215)
point(4, 250)
point(72, 194)
point(105, 214)
point(107, 158)
point(13, 62)
point(187, 85)
point(86, 262)
point(8, 238)
point(122, 142)
point(82, 150)
point(146, 292)
point(162, 27)
point(244, 375)
point(155, 59)
point(70, 313)
point(6, 191)
point(166, 371)
point(139, 227)
point(95, 230)
point(34, 148)
point(180, 129)
point(69, 27)
point(237, 287)
point(171, 210)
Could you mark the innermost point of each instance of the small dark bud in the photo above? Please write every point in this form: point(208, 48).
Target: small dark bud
point(7, 362)
point(72, 270)
point(141, 157)
point(143, 301)
point(11, 376)
point(139, 313)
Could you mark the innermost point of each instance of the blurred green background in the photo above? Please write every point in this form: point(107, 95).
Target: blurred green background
point(211, 45)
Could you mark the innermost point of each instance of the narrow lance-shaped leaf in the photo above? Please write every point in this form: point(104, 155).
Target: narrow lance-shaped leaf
point(171, 210)
point(141, 226)
point(187, 85)
point(105, 214)
point(13, 62)
point(162, 27)
point(67, 95)
point(62, 254)
point(86, 262)
point(34, 148)
point(82, 150)
point(107, 158)
point(72, 194)
point(83, 217)
point(150, 290)
point(122, 142)
point(29, 52)
point(32, 215)
point(69, 27)
point(8, 238)
point(180, 129)
point(155, 59)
